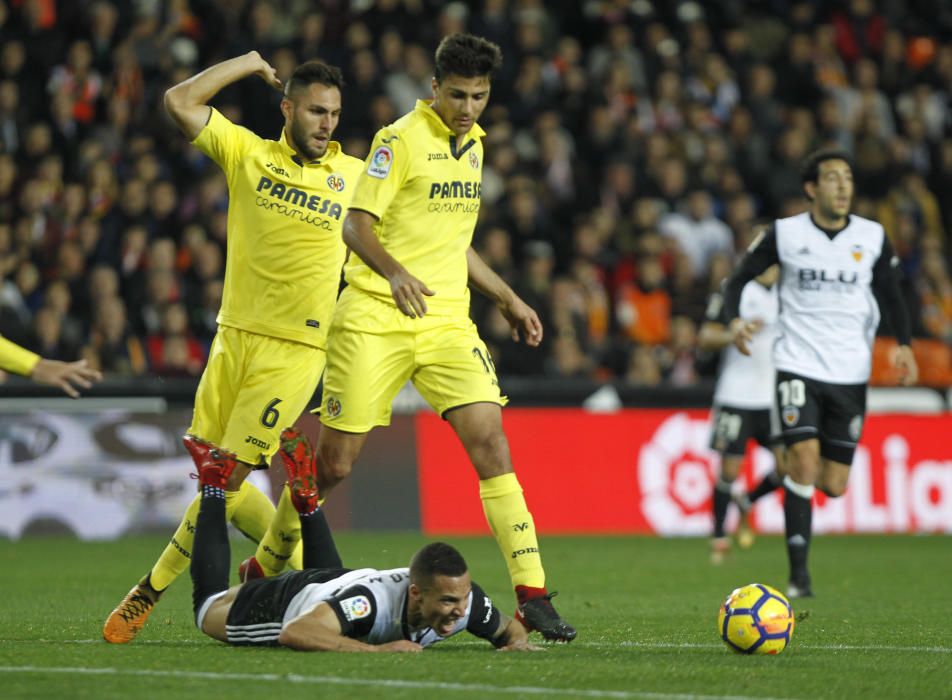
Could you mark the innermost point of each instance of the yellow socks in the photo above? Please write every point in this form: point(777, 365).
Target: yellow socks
point(252, 514)
point(513, 528)
point(251, 511)
point(280, 545)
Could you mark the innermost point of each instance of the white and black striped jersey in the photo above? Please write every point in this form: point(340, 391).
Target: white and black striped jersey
point(832, 286)
point(748, 381)
point(371, 606)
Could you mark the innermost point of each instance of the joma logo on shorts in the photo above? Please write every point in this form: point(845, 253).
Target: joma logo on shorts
point(527, 550)
point(252, 440)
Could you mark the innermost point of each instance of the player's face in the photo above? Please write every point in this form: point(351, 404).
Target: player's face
point(460, 101)
point(311, 114)
point(441, 604)
point(833, 191)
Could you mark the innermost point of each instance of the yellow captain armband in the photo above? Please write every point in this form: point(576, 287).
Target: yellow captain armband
point(15, 359)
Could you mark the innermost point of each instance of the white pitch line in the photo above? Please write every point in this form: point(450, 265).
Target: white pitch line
point(573, 645)
point(384, 683)
point(690, 645)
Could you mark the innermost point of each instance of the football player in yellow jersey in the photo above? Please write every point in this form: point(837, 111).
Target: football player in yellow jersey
point(66, 375)
point(405, 312)
point(287, 201)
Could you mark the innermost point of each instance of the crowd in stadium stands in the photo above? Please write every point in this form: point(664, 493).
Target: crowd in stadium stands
point(633, 148)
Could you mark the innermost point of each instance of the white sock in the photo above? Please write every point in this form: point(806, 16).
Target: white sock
point(802, 490)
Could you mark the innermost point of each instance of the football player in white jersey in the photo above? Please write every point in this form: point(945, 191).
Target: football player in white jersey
point(742, 402)
point(326, 607)
point(837, 273)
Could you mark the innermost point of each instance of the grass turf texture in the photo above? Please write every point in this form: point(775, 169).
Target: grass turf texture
point(645, 609)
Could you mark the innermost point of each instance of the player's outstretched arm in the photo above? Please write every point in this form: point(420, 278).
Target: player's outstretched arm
point(320, 630)
point(187, 102)
point(408, 292)
point(68, 376)
point(520, 315)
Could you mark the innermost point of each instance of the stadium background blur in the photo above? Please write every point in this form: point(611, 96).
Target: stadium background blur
point(632, 149)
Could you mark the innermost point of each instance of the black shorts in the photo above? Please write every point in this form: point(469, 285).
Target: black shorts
point(257, 614)
point(832, 413)
point(733, 428)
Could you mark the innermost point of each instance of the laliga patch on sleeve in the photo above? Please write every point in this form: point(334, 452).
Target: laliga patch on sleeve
point(355, 608)
point(380, 162)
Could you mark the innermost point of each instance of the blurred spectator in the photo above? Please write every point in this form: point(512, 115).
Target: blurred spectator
point(12, 116)
point(172, 349)
point(935, 297)
point(643, 367)
point(79, 81)
point(643, 307)
point(112, 346)
point(678, 356)
point(698, 234)
point(48, 337)
point(412, 81)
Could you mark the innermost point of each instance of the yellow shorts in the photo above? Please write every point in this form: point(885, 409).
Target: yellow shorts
point(253, 387)
point(373, 349)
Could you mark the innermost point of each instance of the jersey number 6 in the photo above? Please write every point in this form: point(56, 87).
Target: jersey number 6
point(269, 418)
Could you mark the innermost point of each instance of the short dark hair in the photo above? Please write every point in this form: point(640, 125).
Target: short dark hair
point(810, 169)
point(314, 72)
point(436, 559)
point(467, 56)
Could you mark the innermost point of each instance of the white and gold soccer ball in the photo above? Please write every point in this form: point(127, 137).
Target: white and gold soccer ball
point(756, 619)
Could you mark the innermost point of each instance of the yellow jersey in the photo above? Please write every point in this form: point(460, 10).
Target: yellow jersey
point(285, 248)
point(15, 359)
point(424, 188)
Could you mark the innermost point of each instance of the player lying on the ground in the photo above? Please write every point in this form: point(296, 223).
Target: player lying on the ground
point(326, 607)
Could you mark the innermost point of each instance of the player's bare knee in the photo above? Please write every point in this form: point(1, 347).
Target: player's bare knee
point(335, 473)
point(803, 464)
point(832, 490)
point(332, 468)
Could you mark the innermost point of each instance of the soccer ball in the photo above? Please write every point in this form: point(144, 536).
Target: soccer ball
point(756, 619)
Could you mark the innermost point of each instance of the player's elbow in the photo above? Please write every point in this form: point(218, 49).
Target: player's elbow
point(173, 101)
point(291, 639)
point(349, 233)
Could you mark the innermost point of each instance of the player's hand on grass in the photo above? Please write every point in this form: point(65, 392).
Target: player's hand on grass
point(401, 645)
point(743, 333)
point(521, 645)
point(905, 362)
point(409, 293)
point(266, 71)
point(66, 375)
point(515, 636)
point(522, 317)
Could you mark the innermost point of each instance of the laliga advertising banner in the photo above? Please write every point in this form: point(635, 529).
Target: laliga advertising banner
point(651, 471)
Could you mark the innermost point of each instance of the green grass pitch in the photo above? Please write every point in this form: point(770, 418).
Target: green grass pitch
point(645, 609)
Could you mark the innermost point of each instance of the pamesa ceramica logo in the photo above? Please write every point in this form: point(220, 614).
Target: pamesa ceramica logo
point(675, 472)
